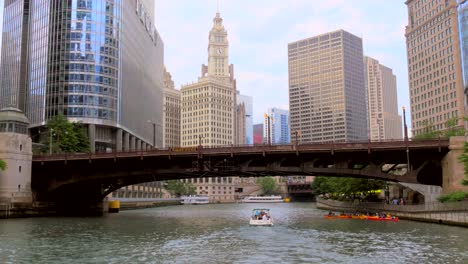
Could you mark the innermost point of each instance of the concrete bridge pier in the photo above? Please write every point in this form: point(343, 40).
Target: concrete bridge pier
point(452, 168)
point(16, 152)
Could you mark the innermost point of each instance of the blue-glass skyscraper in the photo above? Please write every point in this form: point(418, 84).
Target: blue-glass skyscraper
point(276, 126)
point(99, 62)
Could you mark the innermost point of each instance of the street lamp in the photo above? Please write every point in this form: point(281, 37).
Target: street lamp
point(406, 141)
point(154, 132)
point(297, 133)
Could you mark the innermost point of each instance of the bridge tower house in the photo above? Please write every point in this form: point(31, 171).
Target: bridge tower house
point(16, 151)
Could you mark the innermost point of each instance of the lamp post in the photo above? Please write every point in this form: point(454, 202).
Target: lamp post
point(297, 136)
point(406, 140)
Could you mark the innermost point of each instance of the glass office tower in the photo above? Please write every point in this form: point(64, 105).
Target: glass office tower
point(99, 62)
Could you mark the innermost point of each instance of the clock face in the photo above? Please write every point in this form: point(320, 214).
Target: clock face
point(219, 51)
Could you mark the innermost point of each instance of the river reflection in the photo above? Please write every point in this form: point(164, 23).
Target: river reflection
point(221, 234)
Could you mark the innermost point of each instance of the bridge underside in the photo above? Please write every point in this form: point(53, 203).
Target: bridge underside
point(91, 179)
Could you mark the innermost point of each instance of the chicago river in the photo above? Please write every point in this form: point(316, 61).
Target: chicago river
point(220, 233)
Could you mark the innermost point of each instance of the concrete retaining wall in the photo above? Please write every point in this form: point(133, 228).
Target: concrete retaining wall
point(455, 213)
point(129, 203)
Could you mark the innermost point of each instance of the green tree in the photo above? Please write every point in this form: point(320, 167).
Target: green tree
point(179, 188)
point(268, 185)
point(464, 159)
point(453, 129)
point(428, 131)
point(345, 185)
point(66, 136)
point(3, 165)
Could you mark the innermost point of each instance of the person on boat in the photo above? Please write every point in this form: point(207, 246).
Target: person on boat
point(264, 217)
point(331, 213)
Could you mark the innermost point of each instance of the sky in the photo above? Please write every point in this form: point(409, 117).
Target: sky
point(260, 30)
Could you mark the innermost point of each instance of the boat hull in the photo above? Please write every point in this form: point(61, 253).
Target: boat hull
point(268, 222)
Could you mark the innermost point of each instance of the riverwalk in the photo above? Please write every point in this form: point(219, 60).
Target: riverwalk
point(450, 213)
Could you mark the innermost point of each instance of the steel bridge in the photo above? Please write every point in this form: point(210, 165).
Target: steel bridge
point(62, 177)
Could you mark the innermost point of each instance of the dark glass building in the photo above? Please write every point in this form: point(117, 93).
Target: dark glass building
point(99, 62)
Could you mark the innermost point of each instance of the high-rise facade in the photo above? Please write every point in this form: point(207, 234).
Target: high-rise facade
point(85, 60)
point(327, 95)
point(208, 106)
point(171, 112)
point(434, 64)
point(244, 119)
point(463, 25)
point(276, 126)
point(208, 111)
point(382, 102)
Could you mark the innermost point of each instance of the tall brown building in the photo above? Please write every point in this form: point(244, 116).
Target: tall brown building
point(434, 64)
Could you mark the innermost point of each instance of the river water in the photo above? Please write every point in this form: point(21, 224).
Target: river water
point(220, 234)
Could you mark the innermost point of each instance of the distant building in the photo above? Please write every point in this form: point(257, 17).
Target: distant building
point(327, 94)
point(244, 123)
point(258, 134)
point(208, 111)
point(276, 126)
point(384, 121)
point(209, 105)
point(171, 112)
point(434, 65)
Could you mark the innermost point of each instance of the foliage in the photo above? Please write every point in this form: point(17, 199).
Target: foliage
point(429, 131)
point(453, 129)
point(453, 197)
point(268, 185)
point(179, 188)
point(3, 165)
point(464, 159)
point(66, 136)
point(345, 185)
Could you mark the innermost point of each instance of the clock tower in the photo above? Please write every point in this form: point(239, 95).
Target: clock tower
point(218, 55)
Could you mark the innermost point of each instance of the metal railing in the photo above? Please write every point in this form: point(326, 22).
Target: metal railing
point(235, 149)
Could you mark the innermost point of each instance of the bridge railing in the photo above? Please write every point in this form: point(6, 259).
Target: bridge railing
point(325, 146)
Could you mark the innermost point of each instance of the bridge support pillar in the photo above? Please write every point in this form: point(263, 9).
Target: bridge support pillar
point(118, 140)
point(452, 168)
point(138, 144)
point(92, 137)
point(132, 143)
point(126, 141)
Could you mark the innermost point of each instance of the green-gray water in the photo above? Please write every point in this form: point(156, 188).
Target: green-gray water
point(221, 234)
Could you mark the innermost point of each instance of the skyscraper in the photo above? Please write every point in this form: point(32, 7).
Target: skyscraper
point(208, 106)
point(97, 62)
point(244, 119)
point(384, 121)
point(434, 65)
point(276, 126)
point(327, 95)
point(171, 112)
point(208, 111)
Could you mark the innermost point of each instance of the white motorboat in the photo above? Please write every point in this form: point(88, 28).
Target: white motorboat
point(195, 199)
point(263, 199)
point(261, 217)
